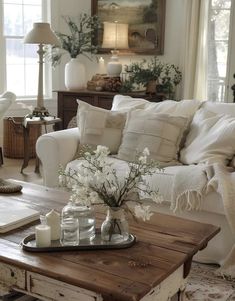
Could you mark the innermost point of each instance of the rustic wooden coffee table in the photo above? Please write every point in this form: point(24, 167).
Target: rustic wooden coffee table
point(155, 268)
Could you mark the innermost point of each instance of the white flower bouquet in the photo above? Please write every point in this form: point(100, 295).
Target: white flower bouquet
point(97, 182)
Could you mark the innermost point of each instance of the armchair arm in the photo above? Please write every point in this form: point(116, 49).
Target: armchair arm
point(55, 149)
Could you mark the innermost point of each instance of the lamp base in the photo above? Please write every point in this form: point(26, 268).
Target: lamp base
point(114, 67)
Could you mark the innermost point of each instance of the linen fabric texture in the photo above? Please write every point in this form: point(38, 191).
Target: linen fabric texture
point(127, 103)
point(221, 108)
point(159, 126)
point(209, 139)
point(161, 133)
point(98, 126)
point(186, 107)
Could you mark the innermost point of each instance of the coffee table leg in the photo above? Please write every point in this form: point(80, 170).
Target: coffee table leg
point(37, 164)
point(1, 156)
point(181, 294)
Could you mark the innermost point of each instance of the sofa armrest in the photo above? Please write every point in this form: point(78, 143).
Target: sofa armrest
point(55, 149)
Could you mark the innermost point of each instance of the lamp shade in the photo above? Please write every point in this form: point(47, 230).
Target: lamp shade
point(41, 34)
point(115, 35)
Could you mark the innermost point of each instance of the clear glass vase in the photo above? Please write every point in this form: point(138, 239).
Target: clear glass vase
point(85, 216)
point(115, 228)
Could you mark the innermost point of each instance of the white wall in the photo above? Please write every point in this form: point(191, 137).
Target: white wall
point(172, 51)
point(173, 38)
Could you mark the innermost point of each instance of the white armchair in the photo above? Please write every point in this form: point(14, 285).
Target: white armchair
point(60, 147)
point(6, 100)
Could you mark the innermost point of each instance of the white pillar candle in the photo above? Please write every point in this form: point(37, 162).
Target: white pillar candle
point(102, 69)
point(43, 236)
point(53, 220)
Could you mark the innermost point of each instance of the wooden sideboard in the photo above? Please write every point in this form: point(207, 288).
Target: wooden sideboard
point(67, 101)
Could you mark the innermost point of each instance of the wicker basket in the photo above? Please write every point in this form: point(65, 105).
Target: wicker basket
point(13, 140)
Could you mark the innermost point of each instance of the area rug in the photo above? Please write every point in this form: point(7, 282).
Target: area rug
point(204, 285)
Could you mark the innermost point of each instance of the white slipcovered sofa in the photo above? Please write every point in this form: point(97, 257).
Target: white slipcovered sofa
point(192, 137)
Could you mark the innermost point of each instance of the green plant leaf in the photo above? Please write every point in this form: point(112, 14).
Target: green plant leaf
point(77, 41)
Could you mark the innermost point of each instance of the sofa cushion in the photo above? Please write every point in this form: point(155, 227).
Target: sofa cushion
point(161, 133)
point(157, 181)
point(99, 126)
point(178, 108)
point(209, 139)
point(219, 107)
point(125, 103)
point(163, 182)
point(186, 107)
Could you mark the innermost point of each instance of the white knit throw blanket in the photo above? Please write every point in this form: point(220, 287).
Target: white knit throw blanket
point(191, 185)
point(222, 179)
point(189, 188)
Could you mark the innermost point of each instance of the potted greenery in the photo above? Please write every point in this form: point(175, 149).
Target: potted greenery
point(77, 41)
point(154, 75)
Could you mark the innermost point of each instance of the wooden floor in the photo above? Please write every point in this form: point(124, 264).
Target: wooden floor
point(11, 170)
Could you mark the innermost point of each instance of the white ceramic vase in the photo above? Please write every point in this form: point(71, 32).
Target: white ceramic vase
point(75, 75)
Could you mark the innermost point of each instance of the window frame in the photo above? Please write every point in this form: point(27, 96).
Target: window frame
point(46, 17)
point(230, 71)
point(224, 79)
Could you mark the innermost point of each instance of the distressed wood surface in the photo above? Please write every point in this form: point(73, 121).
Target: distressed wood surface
point(163, 244)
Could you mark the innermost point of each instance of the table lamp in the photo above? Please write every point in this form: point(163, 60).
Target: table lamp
point(41, 34)
point(115, 36)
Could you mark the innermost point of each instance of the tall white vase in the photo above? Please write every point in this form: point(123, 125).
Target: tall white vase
point(75, 75)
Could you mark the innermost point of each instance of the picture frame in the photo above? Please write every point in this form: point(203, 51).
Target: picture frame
point(145, 19)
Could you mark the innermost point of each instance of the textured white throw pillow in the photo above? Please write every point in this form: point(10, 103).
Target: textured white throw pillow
point(99, 126)
point(161, 133)
point(210, 139)
point(126, 103)
point(186, 107)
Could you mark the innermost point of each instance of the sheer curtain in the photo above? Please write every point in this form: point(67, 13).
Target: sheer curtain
point(194, 56)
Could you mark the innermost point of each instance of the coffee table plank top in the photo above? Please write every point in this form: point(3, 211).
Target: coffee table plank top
point(176, 234)
point(49, 265)
point(163, 244)
point(111, 274)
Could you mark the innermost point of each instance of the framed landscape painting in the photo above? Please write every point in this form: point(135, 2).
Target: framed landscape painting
point(145, 19)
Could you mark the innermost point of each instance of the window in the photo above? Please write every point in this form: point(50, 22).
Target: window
point(21, 60)
point(218, 46)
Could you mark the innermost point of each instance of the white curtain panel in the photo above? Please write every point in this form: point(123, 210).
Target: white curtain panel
point(194, 56)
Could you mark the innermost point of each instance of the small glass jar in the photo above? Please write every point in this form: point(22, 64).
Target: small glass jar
point(69, 231)
point(85, 216)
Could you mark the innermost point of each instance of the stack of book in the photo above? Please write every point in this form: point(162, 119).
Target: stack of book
point(12, 217)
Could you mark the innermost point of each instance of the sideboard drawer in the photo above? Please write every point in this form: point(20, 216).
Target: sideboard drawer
point(57, 290)
point(105, 103)
point(12, 276)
